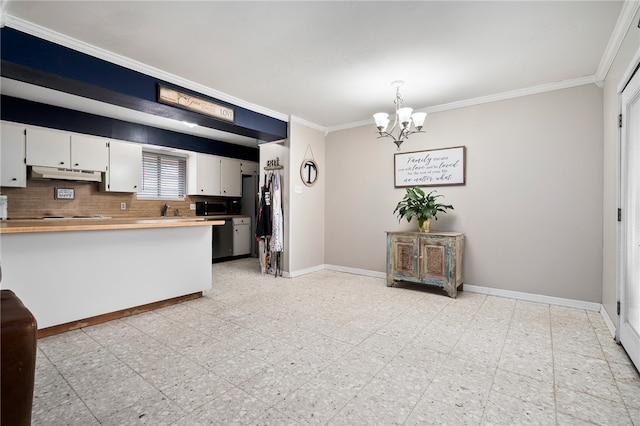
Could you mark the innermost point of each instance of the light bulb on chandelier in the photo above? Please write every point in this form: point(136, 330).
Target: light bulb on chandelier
point(404, 120)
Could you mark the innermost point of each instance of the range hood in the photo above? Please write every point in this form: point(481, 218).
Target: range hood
point(38, 172)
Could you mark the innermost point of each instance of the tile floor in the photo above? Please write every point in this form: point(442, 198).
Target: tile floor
point(338, 349)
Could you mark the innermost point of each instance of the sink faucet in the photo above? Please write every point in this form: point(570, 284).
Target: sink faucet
point(164, 209)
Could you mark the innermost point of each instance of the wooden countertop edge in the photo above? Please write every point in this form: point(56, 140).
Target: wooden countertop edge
point(34, 226)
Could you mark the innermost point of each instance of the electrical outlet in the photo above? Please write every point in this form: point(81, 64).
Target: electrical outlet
point(192, 206)
point(123, 206)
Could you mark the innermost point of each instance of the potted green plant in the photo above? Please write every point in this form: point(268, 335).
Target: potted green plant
point(424, 207)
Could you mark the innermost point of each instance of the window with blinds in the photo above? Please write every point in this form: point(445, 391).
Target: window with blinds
point(163, 177)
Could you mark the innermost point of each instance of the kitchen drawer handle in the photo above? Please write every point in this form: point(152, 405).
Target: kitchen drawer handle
point(14, 178)
point(62, 163)
point(77, 164)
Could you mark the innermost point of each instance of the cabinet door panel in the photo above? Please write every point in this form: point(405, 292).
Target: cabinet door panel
point(89, 153)
point(230, 177)
point(203, 172)
point(249, 167)
point(241, 239)
point(49, 148)
point(404, 260)
point(13, 171)
point(125, 167)
point(433, 257)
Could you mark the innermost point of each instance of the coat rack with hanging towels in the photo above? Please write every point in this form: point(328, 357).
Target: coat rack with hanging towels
point(270, 227)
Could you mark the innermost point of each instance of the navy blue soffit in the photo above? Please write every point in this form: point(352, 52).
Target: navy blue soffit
point(33, 60)
point(38, 114)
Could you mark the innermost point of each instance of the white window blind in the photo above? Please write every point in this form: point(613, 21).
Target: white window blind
point(163, 177)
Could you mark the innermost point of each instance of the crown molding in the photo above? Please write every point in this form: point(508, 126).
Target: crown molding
point(309, 124)
point(625, 19)
point(97, 52)
point(542, 88)
point(3, 12)
point(527, 91)
point(352, 125)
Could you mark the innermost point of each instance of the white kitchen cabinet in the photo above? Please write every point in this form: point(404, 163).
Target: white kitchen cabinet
point(213, 175)
point(48, 147)
point(203, 171)
point(241, 236)
point(124, 173)
point(13, 170)
point(55, 148)
point(249, 167)
point(89, 153)
point(230, 177)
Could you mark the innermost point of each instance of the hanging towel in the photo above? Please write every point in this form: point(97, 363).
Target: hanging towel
point(277, 238)
point(263, 227)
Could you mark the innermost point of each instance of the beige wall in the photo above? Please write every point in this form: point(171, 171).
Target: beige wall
point(306, 204)
point(620, 65)
point(531, 208)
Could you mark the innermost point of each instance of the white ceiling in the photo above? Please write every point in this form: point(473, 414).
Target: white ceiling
point(331, 63)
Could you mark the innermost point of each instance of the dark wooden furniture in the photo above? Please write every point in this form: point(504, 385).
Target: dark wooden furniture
point(18, 359)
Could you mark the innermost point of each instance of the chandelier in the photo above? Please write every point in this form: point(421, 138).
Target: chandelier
point(403, 120)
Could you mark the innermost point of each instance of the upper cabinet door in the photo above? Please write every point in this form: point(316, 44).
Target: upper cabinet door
point(125, 167)
point(89, 153)
point(230, 177)
point(50, 148)
point(203, 174)
point(249, 167)
point(13, 171)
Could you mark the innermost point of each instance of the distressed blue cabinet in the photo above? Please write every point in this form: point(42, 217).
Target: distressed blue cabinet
point(433, 258)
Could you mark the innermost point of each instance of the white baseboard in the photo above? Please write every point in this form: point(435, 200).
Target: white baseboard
point(607, 321)
point(303, 271)
point(356, 271)
point(531, 297)
point(509, 294)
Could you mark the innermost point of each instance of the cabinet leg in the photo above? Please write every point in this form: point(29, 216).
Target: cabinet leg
point(390, 282)
point(451, 291)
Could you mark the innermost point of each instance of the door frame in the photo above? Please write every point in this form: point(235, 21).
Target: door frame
point(624, 80)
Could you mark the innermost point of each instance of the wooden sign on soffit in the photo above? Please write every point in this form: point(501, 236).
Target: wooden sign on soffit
point(169, 96)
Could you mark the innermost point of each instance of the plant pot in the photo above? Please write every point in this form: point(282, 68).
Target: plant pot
point(425, 226)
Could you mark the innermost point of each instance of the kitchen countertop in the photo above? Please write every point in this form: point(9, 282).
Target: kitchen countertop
point(16, 226)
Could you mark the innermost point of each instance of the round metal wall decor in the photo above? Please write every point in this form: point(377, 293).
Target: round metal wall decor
point(309, 172)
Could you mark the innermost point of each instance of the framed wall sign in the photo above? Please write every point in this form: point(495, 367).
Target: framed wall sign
point(436, 167)
point(169, 96)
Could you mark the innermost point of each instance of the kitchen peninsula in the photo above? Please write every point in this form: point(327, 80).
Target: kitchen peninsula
point(75, 272)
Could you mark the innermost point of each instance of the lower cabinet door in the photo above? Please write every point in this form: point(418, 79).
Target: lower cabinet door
point(242, 237)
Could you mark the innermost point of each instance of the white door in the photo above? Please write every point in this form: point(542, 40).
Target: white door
point(630, 200)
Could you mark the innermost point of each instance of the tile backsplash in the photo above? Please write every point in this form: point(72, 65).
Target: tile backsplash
point(38, 199)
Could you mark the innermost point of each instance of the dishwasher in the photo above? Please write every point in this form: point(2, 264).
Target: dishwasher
point(223, 239)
